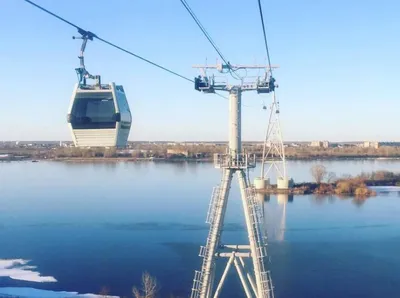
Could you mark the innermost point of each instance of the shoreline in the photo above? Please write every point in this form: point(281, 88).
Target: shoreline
point(191, 160)
point(361, 188)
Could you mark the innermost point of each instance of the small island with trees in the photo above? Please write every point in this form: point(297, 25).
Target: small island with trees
point(326, 183)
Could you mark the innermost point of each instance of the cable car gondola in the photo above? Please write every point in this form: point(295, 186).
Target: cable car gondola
point(99, 114)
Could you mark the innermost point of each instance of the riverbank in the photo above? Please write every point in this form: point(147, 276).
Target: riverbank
point(180, 159)
point(211, 159)
point(128, 159)
point(195, 153)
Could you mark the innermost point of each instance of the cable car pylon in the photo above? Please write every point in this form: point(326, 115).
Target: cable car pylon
point(254, 275)
point(273, 156)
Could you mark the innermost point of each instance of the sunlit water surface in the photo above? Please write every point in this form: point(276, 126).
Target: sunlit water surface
point(90, 226)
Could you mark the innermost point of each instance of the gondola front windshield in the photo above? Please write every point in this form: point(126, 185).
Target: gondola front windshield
point(93, 113)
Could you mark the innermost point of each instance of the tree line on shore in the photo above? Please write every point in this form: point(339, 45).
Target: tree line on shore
point(206, 151)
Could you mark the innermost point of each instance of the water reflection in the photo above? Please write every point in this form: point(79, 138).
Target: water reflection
point(274, 211)
point(193, 166)
point(138, 164)
point(358, 201)
point(109, 165)
point(322, 199)
point(180, 167)
point(261, 197)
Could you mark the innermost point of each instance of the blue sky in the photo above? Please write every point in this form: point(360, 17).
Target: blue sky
point(338, 75)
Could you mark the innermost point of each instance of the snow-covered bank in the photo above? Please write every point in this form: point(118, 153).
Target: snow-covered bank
point(36, 293)
point(18, 269)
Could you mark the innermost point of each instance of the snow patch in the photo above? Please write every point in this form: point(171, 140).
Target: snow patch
point(18, 269)
point(36, 293)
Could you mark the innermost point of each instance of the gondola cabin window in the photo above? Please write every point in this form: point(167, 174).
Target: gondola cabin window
point(93, 113)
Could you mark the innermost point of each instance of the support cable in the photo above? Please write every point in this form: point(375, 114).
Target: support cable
point(84, 32)
point(186, 5)
point(209, 38)
point(265, 35)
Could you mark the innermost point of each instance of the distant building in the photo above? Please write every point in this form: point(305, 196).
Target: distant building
point(325, 144)
point(368, 144)
point(316, 144)
point(320, 144)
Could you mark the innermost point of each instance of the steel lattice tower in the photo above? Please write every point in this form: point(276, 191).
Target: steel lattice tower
point(273, 148)
point(255, 279)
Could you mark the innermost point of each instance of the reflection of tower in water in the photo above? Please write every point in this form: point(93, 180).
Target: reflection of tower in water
point(280, 231)
point(274, 211)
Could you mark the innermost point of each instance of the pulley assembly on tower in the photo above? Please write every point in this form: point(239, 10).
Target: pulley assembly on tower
point(207, 84)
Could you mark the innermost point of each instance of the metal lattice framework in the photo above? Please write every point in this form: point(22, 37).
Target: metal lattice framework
point(254, 276)
point(273, 149)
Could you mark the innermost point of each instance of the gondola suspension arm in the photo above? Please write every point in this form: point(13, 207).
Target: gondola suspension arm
point(81, 71)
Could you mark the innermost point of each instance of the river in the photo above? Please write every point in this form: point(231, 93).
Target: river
point(85, 226)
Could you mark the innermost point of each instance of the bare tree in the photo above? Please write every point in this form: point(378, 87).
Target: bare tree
point(318, 172)
point(331, 177)
point(149, 287)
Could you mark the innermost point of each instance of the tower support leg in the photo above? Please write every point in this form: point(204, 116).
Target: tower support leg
point(234, 162)
point(242, 278)
point(221, 282)
point(253, 231)
point(249, 277)
point(214, 236)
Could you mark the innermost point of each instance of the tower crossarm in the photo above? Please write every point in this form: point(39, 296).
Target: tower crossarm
point(261, 84)
point(221, 67)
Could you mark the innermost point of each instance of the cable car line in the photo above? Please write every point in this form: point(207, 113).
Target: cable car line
point(265, 35)
point(56, 16)
point(92, 35)
point(220, 95)
point(144, 59)
point(186, 5)
point(207, 35)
